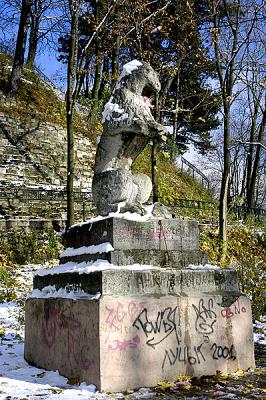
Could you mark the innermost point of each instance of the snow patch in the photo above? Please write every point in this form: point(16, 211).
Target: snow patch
point(51, 292)
point(260, 336)
point(127, 215)
point(129, 68)
point(206, 266)
point(111, 108)
point(89, 267)
point(94, 249)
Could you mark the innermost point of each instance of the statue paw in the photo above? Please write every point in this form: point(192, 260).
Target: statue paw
point(133, 208)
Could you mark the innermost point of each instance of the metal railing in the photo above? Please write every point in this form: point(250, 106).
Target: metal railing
point(194, 208)
point(241, 212)
point(190, 203)
point(34, 194)
point(195, 172)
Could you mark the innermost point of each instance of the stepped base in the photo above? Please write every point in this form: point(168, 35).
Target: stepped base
point(163, 324)
point(146, 325)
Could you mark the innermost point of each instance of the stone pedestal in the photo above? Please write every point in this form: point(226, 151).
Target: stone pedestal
point(147, 325)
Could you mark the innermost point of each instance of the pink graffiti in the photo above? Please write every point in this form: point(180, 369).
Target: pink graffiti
point(115, 316)
point(134, 308)
point(235, 309)
point(123, 345)
point(50, 326)
point(56, 321)
point(118, 313)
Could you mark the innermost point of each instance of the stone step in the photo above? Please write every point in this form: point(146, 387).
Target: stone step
point(160, 281)
point(155, 234)
point(161, 258)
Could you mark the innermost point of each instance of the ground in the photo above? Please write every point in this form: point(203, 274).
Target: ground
point(20, 381)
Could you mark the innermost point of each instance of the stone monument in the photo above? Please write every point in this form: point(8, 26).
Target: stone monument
point(133, 300)
point(128, 125)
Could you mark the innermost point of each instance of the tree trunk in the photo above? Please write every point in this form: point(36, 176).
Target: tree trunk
point(33, 40)
point(154, 177)
point(174, 135)
point(105, 77)
point(250, 155)
point(97, 79)
point(251, 193)
point(98, 69)
point(20, 48)
point(115, 60)
point(225, 181)
point(70, 103)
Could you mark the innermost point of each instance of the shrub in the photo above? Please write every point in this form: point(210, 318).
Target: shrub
point(246, 252)
point(20, 247)
point(7, 281)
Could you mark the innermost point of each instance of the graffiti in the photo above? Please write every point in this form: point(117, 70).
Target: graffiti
point(170, 233)
point(50, 326)
point(147, 280)
point(115, 316)
point(235, 309)
point(223, 352)
point(184, 355)
point(124, 344)
point(158, 330)
point(55, 322)
point(144, 280)
point(205, 317)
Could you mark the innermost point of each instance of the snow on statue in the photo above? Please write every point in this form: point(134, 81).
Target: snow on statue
point(128, 125)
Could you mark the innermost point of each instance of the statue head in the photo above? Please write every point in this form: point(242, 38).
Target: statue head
point(140, 78)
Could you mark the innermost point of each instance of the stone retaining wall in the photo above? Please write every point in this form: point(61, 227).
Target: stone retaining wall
point(34, 154)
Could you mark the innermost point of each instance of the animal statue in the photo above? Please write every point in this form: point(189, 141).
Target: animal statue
point(128, 125)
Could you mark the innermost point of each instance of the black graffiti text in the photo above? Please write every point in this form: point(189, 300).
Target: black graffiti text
point(223, 352)
point(184, 354)
point(205, 317)
point(160, 328)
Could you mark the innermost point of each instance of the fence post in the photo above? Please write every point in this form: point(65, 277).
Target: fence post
point(83, 211)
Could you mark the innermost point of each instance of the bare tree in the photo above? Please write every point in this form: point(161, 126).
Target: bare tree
point(20, 47)
point(233, 23)
point(74, 76)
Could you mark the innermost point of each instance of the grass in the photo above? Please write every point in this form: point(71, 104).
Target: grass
point(173, 184)
point(36, 100)
point(246, 252)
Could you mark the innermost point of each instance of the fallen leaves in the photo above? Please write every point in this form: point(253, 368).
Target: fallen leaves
point(73, 381)
point(56, 390)
point(181, 383)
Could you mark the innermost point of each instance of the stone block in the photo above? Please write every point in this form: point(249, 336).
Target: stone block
point(126, 342)
point(156, 234)
point(155, 282)
point(161, 258)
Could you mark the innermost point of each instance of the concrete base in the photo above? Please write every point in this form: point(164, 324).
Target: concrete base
point(125, 342)
point(147, 325)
